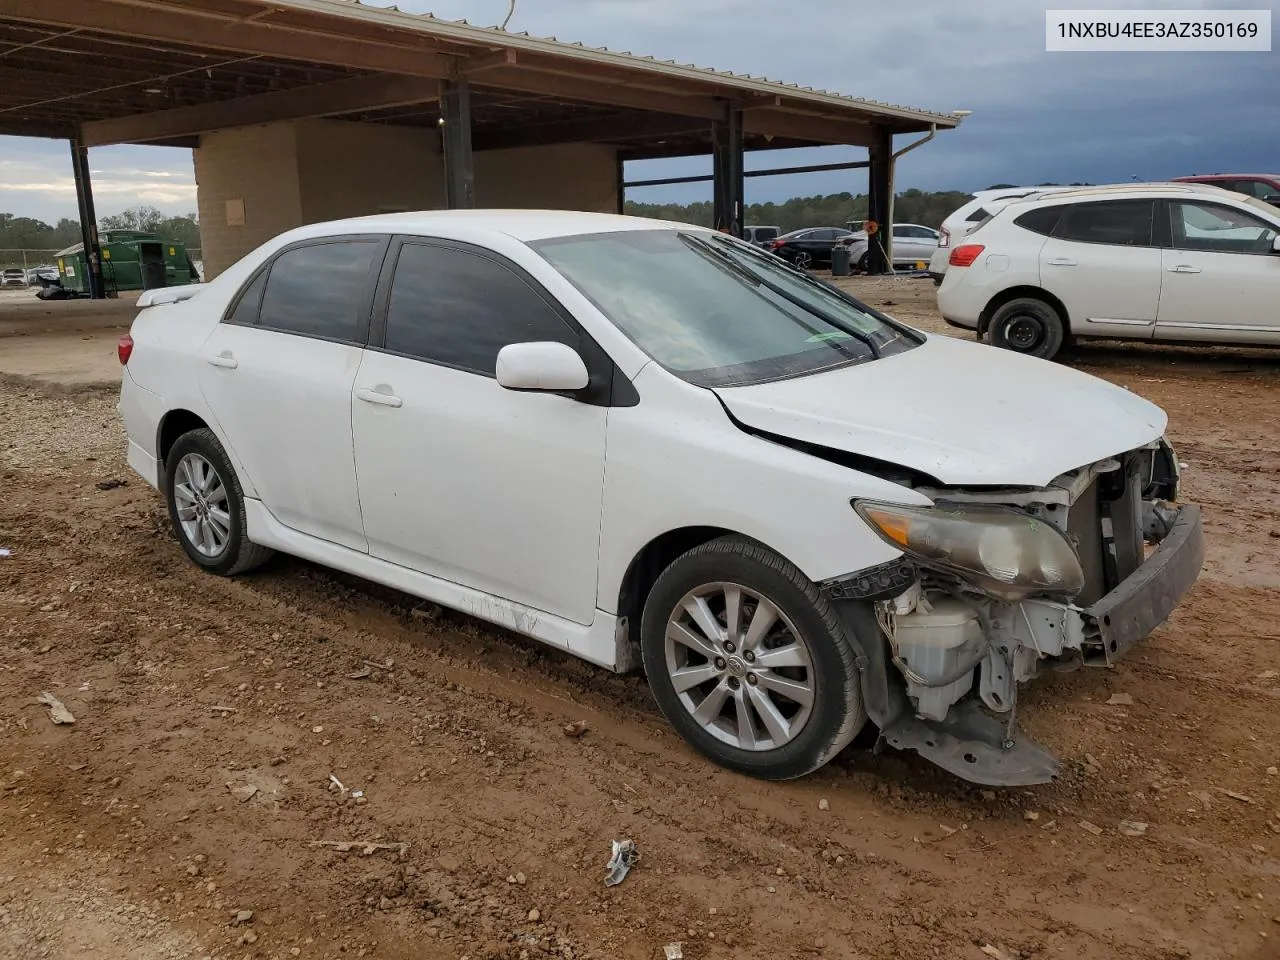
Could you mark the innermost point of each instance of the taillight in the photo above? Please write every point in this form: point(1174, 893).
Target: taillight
point(124, 349)
point(965, 254)
point(944, 237)
point(777, 244)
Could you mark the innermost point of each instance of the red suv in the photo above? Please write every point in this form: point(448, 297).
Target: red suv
point(1264, 186)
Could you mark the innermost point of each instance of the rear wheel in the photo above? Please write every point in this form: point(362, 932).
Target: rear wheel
point(803, 259)
point(1028, 325)
point(206, 506)
point(748, 662)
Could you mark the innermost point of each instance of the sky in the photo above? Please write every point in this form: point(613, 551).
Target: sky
point(1037, 116)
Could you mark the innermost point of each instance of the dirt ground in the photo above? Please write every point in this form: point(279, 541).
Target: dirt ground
point(214, 718)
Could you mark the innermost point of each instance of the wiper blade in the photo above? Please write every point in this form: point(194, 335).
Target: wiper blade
point(831, 319)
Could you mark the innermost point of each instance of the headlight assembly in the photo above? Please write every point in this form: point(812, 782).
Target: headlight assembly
point(1003, 552)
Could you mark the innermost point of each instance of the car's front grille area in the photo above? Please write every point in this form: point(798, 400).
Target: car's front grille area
point(1105, 524)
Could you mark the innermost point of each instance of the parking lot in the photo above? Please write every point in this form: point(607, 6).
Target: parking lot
point(231, 735)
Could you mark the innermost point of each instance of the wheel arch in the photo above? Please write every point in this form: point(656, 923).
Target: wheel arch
point(1015, 293)
point(181, 420)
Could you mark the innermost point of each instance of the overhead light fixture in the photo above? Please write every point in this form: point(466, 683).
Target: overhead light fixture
point(154, 90)
point(961, 114)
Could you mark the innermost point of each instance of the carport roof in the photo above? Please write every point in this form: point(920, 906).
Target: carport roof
point(165, 71)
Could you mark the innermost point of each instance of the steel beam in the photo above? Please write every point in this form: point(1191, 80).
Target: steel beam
point(770, 172)
point(88, 219)
point(615, 127)
point(455, 136)
point(321, 100)
point(727, 157)
point(880, 202)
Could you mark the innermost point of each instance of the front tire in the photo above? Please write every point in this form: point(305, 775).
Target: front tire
point(1030, 326)
point(206, 506)
point(749, 663)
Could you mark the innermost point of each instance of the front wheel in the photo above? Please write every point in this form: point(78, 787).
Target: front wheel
point(749, 663)
point(1028, 325)
point(206, 506)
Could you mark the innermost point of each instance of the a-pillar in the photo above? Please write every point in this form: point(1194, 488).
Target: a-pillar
point(88, 220)
point(880, 201)
point(727, 168)
point(455, 138)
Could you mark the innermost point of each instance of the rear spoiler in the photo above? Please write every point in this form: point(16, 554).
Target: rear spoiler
point(161, 295)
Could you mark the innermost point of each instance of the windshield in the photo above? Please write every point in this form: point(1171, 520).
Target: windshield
point(719, 312)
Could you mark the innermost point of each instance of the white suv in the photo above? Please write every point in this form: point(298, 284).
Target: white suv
point(1164, 262)
point(651, 444)
point(958, 225)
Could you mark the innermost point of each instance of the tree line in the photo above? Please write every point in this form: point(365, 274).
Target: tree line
point(27, 233)
point(833, 210)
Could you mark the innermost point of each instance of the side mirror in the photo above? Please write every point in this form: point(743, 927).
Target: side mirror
point(1275, 244)
point(541, 366)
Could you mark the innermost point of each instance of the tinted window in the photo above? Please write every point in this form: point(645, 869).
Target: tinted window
point(979, 214)
point(1215, 229)
point(246, 309)
point(1042, 220)
point(1124, 223)
point(458, 308)
point(319, 291)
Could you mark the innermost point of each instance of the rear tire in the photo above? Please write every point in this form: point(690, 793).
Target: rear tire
point(803, 260)
point(206, 506)
point(1029, 326)
point(775, 693)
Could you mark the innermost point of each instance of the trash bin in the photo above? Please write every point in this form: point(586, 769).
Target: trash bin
point(840, 260)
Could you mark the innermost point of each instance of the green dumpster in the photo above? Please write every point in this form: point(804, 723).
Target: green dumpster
point(130, 261)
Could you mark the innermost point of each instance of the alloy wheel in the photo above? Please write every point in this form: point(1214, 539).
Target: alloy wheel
point(202, 505)
point(740, 667)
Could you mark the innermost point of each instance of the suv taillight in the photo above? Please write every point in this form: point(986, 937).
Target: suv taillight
point(944, 237)
point(124, 349)
point(965, 254)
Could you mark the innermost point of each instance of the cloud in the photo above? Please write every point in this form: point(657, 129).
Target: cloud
point(1036, 116)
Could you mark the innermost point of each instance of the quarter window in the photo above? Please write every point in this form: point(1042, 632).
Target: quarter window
point(320, 290)
point(1122, 223)
point(246, 310)
point(458, 308)
point(1214, 229)
point(1042, 220)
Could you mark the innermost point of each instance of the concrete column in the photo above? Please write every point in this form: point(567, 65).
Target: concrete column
point(880, 201)
point(455, 136)
point(88, 219)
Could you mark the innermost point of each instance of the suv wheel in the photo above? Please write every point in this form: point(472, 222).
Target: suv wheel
point(1028, 325)
point(749, 663)
point(206, 506)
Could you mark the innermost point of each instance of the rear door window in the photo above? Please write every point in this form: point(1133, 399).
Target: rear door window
point(1121, 223)
point(321, 290)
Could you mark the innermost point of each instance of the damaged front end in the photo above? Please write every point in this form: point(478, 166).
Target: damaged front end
point(995, 586)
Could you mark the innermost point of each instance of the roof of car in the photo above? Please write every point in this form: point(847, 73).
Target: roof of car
point(1194, 178)
point(1124, 190)
point(523, 225)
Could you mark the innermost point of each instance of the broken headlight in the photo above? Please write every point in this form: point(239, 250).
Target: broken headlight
point(1002, 552)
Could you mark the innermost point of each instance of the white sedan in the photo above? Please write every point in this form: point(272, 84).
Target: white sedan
point(651, 444)
point(913, 246)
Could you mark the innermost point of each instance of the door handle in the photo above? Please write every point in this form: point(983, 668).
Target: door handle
point(1061, 262)
point(381, 399)
point(224, 360)
point(1184, 268)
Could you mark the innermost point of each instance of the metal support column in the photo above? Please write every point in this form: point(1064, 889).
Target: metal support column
point(880, 202)
point(455, 138)
point(728, 175)
point(88, 220)
point(622, 185)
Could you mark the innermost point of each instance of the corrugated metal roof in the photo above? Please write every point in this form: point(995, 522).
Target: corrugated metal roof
point(492, 37)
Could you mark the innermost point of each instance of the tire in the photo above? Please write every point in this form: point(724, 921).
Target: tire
point(807, 643)
point(803, 259)
point(1029, 326)
point(204, 494)
point(862, 264)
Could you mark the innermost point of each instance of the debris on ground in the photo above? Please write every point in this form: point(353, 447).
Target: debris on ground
point(58, 712)
point(1092, 828)
point(336, 784)
point(823, 804)
point(673, 951)
point(575, 729)
point(1234, 796)
point(388, 666)
point(361, 674)
point(1120, 700)
point(111, 484)
point(1273, 771)
point(243, 792)
point(625, 855)
point(1031, 815)
point(427, 611)
point(5, 552)
point(1132, 828)
point(242, 916)
point(222, 710)
point(995, 952)
point(366, 848)
point(535, 915)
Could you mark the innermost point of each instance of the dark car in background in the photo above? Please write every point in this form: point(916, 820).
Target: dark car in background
point(1264, 186)
point(809, 247)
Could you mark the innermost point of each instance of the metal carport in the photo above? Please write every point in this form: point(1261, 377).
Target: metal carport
point(170, 72)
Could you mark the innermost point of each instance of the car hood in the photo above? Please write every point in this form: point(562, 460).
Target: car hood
point(963, 413)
